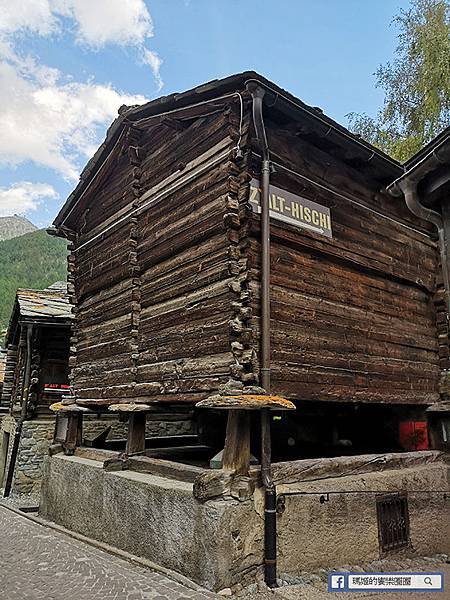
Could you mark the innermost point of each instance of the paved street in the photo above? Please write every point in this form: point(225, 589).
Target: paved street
point(38, 563)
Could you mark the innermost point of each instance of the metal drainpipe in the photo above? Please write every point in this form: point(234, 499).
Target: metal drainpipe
point(270, 523)
point(23, 416)
point(409, 189)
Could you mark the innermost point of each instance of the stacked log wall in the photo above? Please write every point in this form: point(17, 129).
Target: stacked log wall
point(106, 282)
point(154, 293)
point(193, 274)
point(167, 300)
point(10, 372)
point(17, 387)
point(353, 317)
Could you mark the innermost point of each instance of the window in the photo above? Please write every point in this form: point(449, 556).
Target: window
point(393, 522)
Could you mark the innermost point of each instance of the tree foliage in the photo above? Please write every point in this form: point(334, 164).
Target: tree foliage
point(34, 260)
point(416, 84)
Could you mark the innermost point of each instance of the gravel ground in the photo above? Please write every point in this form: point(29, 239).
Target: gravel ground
point(313, 586)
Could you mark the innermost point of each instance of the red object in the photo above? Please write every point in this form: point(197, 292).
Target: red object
point(55, 388)
point(414, 435)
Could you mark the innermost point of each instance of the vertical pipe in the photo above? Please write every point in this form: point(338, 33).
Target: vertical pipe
point(23, 416)
point(442, 224)
point(270, 532)
point(257, 96)
point(265, 275)
point(409, 189)
point(270, 495)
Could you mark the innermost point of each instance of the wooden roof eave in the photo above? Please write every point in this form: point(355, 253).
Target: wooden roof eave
point(283, 100)
point(425, 166)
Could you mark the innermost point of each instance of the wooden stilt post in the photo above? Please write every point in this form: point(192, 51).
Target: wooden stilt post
point(136, 433)
point(234, 478)
point(80, 429)
point(236, 454)
point(73, 433)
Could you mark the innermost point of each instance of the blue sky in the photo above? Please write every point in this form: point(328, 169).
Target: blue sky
point(67, 65)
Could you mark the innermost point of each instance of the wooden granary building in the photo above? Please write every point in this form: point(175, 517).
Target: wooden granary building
point(36, 374)
point(165, 270)
point(232, 238)
point(37, 350)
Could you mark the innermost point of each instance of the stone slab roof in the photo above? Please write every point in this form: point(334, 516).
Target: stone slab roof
point(52, 302)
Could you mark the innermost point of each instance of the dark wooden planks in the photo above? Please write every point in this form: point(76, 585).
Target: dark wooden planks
point(153, 292)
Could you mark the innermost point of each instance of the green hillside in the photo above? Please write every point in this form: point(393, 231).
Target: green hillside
point(34, 260)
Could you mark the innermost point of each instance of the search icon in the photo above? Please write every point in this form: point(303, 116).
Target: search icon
point(428, 581)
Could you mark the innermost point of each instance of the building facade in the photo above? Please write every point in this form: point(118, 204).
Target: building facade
point(172, 309)
point(36, 373)
point(231, 245)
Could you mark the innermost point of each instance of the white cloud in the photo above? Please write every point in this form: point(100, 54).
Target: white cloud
point(27, 15)
point(24, 196)
point(153, 59)
point(98, 22)
point(95, 22)
point(46, 118)
point(56, 125)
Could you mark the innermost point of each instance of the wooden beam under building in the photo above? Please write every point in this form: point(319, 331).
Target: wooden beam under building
point(236, 454)
point(136, 433)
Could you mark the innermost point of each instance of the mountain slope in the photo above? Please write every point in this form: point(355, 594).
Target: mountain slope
point(11, 227)
point(34, 260)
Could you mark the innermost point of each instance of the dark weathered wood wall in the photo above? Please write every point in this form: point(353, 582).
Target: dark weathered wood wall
point(158, 298)
point(353, 317)
point(167, 302)
point(11, 373)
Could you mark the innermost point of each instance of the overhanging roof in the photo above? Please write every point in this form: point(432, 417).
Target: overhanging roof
point(276, 99)
point(52, 302)
point(434, 144)
point(47, 306)
point(429, 169)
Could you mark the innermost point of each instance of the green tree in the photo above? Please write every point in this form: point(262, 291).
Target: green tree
point(34, 260)
point(416, 84)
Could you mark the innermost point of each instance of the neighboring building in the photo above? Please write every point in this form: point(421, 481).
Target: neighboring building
point(2, 373)
point(36, 374)
point(425, 185)
point(166, 275)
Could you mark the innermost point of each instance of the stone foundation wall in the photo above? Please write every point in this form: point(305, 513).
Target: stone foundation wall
point(146, 515)
point(219, 543)
point(37, 435)
point(343, 530)
point(154, 427)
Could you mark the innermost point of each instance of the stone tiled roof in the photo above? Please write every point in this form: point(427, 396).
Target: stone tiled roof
point(52, 302)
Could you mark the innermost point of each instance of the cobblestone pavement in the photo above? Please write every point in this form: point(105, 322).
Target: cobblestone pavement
point(39, 563)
